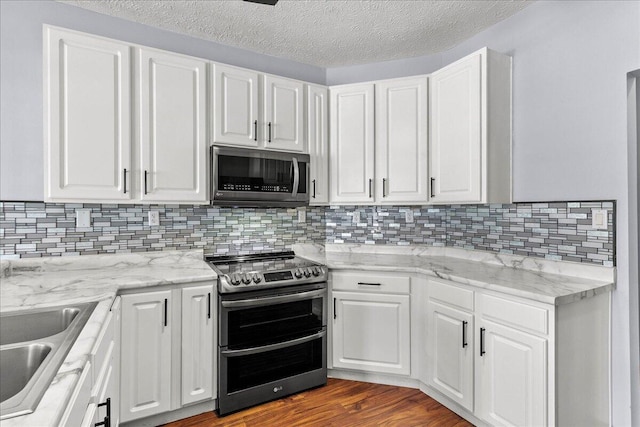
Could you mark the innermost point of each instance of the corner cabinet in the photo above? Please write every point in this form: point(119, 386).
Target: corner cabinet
point(172, 127)
point(470, 130)
point(371, 322)
point(379, 142)
point(87, 117)
point(317, 109)
point(167, 351)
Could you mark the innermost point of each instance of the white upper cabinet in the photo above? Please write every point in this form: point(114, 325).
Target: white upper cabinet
point(317, 103)
point(256, 110)
point(173, 127)
point(401, 140)
point(87, 98)
point(235, 95)
point(351, 143)
point(378, 142)
point(470, 130)
point(283, 114)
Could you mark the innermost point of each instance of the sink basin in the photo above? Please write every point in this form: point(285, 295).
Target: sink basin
point(18, 365)
point(33, 345)
point(31, 326)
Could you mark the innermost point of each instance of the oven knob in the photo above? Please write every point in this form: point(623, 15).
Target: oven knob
point(234, 279)
point(256, 278)
point(307, 272)
point(297, 273)
point(315, 271)
point(246, 279)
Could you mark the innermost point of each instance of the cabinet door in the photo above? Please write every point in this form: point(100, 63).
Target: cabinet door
point(450, 349)
point(235, 112)
point(146, 355)
point(511, 384)
point(317, 127)
point(87, 117)
point(371, 332)
point(455, 140)
point(352, 144)
point(283, 113)
point(173, 127)
point(401, 140)
point(197, 343)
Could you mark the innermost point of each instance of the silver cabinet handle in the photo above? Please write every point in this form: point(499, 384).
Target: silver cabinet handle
point(314, 188)
point(125, 180)
point(370, 187)
point(384, 184)
point(269, 126)
point(255, 130)
point(146, 175)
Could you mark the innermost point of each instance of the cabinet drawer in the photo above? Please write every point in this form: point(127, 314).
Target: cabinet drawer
point(100, 350)
point(450, 294)
point(365, 281)
point(514, 313)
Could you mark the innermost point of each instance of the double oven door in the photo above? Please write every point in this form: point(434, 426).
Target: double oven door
point(272, 343)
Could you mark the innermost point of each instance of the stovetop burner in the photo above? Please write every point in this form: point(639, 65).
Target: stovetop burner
point(242, 273)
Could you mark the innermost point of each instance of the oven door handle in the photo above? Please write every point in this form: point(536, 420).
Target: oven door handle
point(271, 347)
point(255, 302)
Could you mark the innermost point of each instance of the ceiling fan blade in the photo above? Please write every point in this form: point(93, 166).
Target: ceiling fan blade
point(268, 2)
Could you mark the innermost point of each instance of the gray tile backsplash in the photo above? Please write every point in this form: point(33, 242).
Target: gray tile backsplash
point(560, 231)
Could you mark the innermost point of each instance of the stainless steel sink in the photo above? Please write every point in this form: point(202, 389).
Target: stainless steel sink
point(33, 345)
point(18, 365)
point(35, 325)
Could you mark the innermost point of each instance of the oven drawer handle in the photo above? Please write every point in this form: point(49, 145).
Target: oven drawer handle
point(271, 347)
point(270, 300)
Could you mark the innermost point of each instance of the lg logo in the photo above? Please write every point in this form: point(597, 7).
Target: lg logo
point(277, 389)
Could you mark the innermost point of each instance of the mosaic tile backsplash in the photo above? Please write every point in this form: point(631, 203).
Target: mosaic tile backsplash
point(560, 231)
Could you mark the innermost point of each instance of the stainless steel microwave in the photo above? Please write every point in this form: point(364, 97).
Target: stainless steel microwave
point(248, 177)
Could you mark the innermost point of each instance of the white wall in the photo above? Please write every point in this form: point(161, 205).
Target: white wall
point(21, 133)
point(571, 60)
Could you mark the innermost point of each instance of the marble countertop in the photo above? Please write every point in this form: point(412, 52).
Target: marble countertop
point(545, 281)
point(45, 282)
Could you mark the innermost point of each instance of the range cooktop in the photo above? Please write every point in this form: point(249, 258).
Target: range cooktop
point(241, 273)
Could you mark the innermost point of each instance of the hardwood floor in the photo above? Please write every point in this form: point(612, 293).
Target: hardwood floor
point(340, 403)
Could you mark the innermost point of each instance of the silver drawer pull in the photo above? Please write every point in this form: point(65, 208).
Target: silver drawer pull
point(369, 284)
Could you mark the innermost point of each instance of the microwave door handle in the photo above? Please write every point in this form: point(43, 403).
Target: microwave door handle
point(296, 177)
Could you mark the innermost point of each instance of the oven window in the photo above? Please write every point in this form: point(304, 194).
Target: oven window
point(256, 326)
point(252, 370)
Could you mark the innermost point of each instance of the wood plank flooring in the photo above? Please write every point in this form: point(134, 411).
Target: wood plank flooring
point(340, 403)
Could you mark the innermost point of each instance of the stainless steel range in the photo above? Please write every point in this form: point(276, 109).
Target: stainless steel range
point(272, 327)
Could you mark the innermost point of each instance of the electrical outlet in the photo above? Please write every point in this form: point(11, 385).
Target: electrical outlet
point(154, 218)
point(356, 217)
point(302, 215)
point(83, 218)
point(599, 219)
point(408, 216)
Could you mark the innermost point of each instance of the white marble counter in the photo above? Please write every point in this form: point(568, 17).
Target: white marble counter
point(44, 282)
point(546, 281)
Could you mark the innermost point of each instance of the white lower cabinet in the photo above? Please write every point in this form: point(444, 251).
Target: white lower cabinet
point(511, 376)
point(198, 320)
point(371, 327)
point(167, 350)
point(146, 354)
point(450, 347)
point(511, 361)
point(96, 398)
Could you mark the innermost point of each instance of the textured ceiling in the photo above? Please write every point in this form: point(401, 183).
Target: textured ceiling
point(326, 33)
